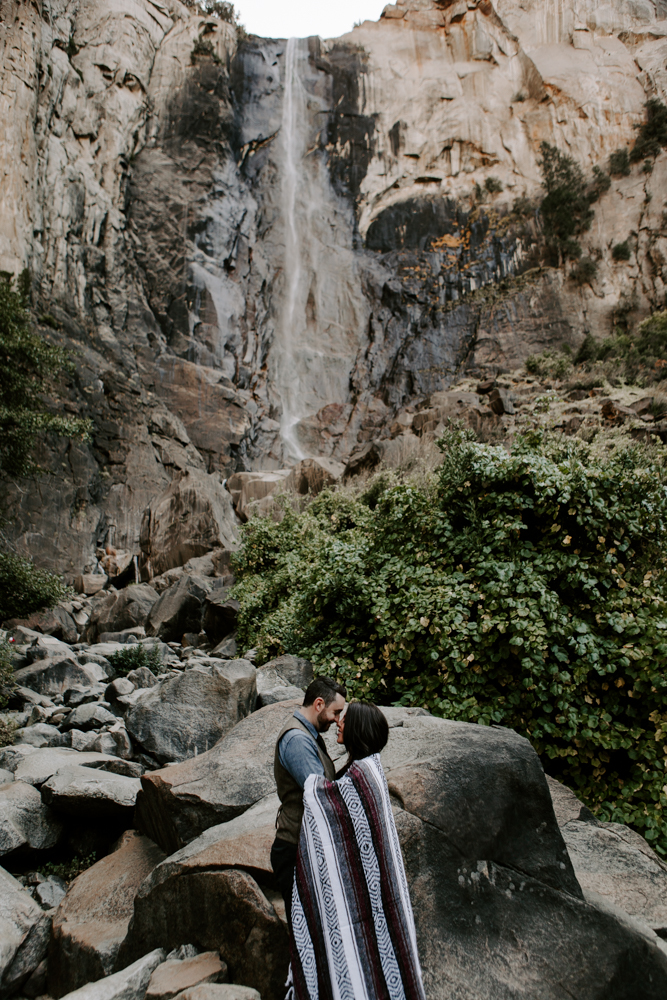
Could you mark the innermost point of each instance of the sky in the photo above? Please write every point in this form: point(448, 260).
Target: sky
point(305, 17)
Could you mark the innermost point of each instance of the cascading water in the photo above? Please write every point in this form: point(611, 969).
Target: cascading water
point(323, 313)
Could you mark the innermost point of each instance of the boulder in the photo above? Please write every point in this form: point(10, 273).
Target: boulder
point(113, 741)
point(45, 646)
point(176, 975)
point(89, 716)
point(500, 401)
point(216, 910)
point(187, 714)
point(129, 984)
point(56, 622)
point(55, 675)
point(312, 475)
point(26, 824)
point(220, 615)
point(249, 487)
point(180, 609)
point(89, 794)
point(39, 735)
point(230, 991)
point(24, 934)
point(282, 679)
point(124, 610)
point(179, 803)
point(227, 649)
point(35, 766)
point(90, 583)
point(91, 922)
point(50, 892)
point(193, 516)
point(5, 777)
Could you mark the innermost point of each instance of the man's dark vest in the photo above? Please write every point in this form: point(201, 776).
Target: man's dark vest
point(290, 814)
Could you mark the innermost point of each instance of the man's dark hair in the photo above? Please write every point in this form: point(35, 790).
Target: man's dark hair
point(323, 687)
point(366, 730)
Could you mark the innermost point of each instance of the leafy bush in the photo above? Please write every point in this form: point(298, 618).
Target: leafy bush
point(584, 271)
point(639, 356)
point(599, 185)
point(30, 366)
point(7, 683)
point(524, 590)
point(552, 364)
point(619, 163)
point(622, 251)
point(204, 47)
point(587, 352)
point(652, 135)
point(493, 185)
point(7, 730)
point(566, 209)
point(24, 588)
point(133, 656)
point(69, 870)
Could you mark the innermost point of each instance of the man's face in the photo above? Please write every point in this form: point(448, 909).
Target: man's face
point(326, 714)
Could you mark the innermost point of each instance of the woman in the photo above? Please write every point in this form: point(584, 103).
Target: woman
point(353, 932)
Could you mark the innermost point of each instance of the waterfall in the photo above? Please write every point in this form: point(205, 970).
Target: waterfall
point(322, 314)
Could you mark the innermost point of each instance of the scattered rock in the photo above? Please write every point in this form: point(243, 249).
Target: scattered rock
point(193, 516)
point(500, 401)
point(54, 676)
point(25, 822)
point(179, 609)
point(24, 934)
point(119, 611)
point(179, 803)
point(89, 716)
point(226, 992)
point(612, 410)
point(175, 976)
point(142, 678)
point(363, 459)
point(90, 583)
point(220, 615)
point(39, 734)
point(483, 388)
point(50, 892)
point(188, 714)
point(56, 622)
point(92, 921)
point(35, 766)
point(227, 649)
point(91, 794)
point(129, 984)
point(115, 742)
point(31, 697)
point(282, 679)
point(201, 908)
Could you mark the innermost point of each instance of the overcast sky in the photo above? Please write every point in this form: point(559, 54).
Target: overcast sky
point(305, 17)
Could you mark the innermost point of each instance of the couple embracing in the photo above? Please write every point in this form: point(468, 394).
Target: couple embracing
point(337, 859)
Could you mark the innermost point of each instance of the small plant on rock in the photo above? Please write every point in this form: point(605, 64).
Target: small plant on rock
point(69, 870)
point(7, 682)
point(619, 163)
point(204, 47)
point(652, 135)
point(584, 271)
point(134, 656)
point(493, 185)
point(622, 251)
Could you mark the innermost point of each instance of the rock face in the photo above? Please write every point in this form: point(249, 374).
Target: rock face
point(160, 194)
point(91, 922)
point(24, 934)
point(188, 714)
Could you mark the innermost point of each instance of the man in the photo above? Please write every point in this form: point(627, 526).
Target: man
point(300, 751)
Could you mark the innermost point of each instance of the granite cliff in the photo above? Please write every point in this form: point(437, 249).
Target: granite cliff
point(260, 250)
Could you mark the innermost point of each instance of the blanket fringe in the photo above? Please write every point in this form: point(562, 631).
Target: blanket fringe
point(290, 983)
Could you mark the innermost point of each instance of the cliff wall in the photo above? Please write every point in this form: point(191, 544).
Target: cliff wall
point(259, 250)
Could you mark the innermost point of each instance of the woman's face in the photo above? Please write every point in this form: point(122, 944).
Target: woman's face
point(341, 727)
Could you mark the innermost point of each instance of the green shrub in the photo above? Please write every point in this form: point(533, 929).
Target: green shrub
point(7, 683)
point(30, 367)
point(133, 656)
point(566, 209)
point(587, 352)
point(584, 271)
point(526, 590)
point(622, 251)
point(652, 135)
point(551, 364)
point(619, 163)
point(599, 185)
point(204, 47)
point(493, 185)
point(69, 870)
point(24, 588)
point(7, 731)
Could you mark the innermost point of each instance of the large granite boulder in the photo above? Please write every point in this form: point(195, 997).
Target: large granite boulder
point(180, 609)
point(24, 934)
point(178, 803)
point(91, 923)
point(193, 516)
point(282, 679)
point(179, 974)
point(498, 908)
point(128, 984)
point(26, 824)
point(56, 674)
point(187, 715)
point(90, 794)
point(35, 766)
point(126, 609)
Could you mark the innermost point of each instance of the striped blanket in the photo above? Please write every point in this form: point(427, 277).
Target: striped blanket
point(353, 932)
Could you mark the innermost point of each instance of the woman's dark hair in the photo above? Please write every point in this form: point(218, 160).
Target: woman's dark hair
point(366, 730)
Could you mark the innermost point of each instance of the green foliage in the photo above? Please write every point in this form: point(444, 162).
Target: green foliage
point(7, 683)
point(493, 185)
point(24, 588)
point(525, 590)
point(549, 364)
point(523, 207)
point(204, 47)
point(652, 135)
point(619, 163)
point(642, 355)
point(29, 367)
point(587, 352)
point(584, 271)
point(221, 9)
point(599, 185)
point(69, 870)
point(622, 251)
point(566, 209)
point(7, 731)
point(133, 656)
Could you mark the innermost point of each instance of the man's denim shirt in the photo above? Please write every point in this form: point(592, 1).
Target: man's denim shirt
point(298, 753)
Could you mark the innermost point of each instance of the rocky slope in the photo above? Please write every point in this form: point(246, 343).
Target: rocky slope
point(261, 250)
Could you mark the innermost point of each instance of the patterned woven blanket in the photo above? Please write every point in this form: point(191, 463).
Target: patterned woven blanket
point(353, 932)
